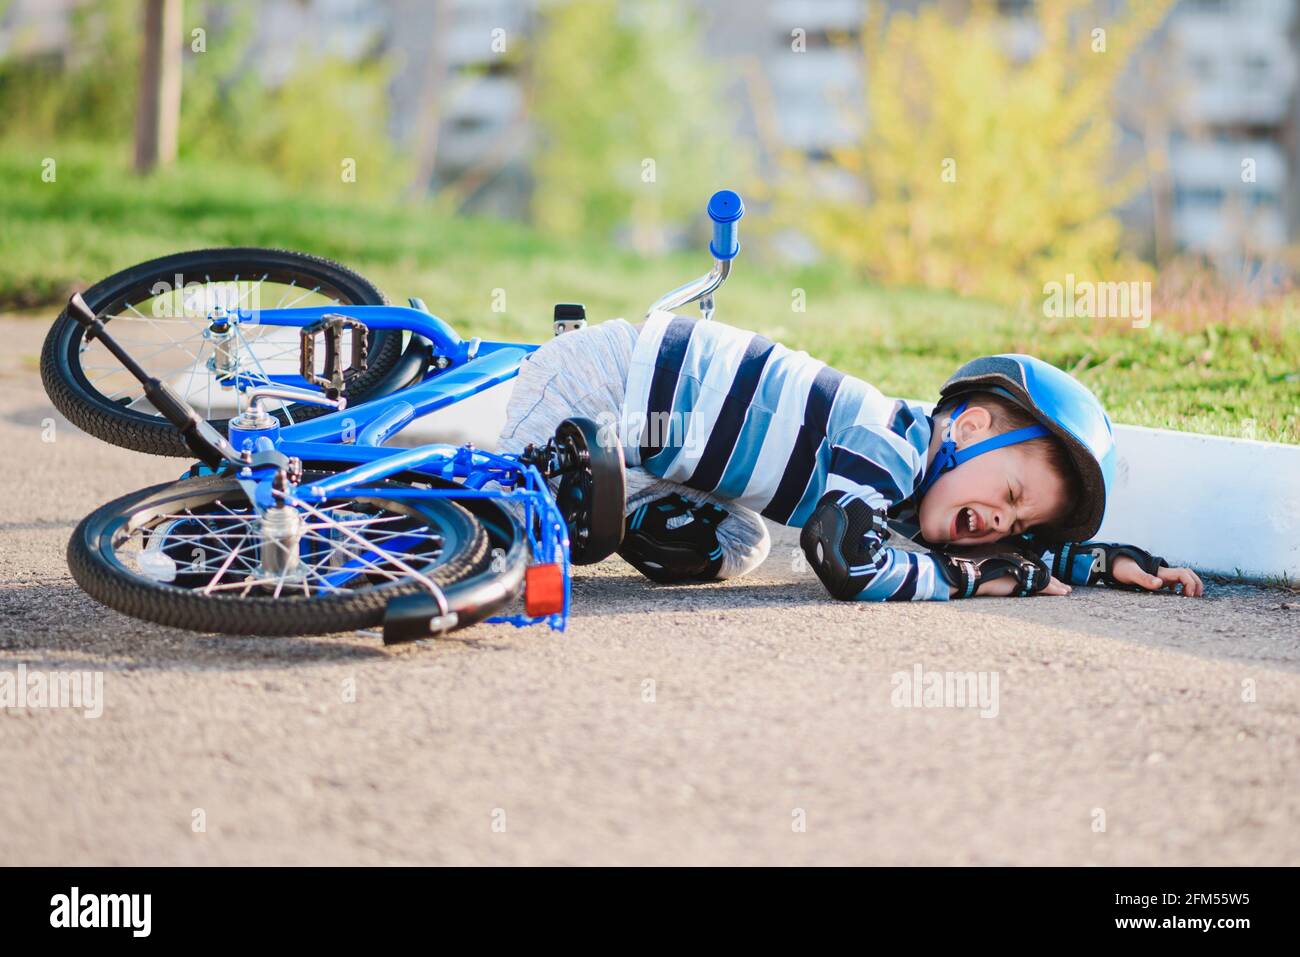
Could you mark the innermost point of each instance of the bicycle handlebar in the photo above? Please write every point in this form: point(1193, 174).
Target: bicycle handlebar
point(725, 209)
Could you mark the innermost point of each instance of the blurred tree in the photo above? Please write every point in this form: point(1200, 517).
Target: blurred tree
point(431, 102)
point(84, 92)
point(157, 118)
point(981, 174)
point(626, 107)
point(324, 127)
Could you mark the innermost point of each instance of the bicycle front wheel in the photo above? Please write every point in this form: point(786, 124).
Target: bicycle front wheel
point(194, 554)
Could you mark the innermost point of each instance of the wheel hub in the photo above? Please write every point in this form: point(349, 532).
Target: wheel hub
point(221, 334)
point(282, 529)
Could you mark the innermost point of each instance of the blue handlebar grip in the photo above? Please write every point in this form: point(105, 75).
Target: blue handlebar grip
point(725, 209)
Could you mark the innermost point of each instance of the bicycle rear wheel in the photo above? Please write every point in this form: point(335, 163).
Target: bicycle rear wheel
point(159, 311)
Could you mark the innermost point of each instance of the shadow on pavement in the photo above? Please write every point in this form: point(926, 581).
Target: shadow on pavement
point(58, 626)
point(1233, 622)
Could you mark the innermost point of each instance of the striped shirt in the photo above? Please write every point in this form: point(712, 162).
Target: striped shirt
point(727, 411)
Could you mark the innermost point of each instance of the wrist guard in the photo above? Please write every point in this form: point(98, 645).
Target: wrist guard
point(966, 568)
point(842, 542)
point(1104, 555)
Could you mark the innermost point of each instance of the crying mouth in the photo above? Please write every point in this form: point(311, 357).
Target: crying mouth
point(965, 520)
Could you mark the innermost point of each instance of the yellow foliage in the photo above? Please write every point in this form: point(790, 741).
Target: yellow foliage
point(981, 174)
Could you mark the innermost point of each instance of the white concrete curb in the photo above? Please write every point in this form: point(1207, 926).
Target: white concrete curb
point(1221, 506)
point(1218, 505)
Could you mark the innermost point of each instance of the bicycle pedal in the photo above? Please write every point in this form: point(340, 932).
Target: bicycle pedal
point(335, 376)
point(412, 617)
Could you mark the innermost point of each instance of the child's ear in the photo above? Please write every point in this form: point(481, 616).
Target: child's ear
point(973, 421)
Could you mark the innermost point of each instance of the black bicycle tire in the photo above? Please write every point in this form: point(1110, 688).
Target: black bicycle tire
point(83, 406)
point(113, 585)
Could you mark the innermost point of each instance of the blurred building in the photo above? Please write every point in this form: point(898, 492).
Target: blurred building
point(1233, 140)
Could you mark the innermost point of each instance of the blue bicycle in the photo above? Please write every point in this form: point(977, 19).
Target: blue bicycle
point(286, 376)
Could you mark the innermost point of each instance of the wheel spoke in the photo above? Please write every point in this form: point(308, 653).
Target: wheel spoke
point(260, 368)
point(341, 548)
point(183, 332)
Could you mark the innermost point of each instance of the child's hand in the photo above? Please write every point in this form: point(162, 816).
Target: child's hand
point(1127, 571)
point(1007, 585)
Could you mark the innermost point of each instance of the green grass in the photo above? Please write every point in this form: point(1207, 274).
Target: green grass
point(1240, 378)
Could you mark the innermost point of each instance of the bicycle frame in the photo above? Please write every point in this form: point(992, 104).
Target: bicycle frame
point(357, 435)
point(468, 366)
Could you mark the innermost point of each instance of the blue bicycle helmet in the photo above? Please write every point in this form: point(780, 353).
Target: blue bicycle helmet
point(1064, 407)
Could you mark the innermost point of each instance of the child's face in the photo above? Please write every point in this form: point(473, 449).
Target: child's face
point(1004, 492)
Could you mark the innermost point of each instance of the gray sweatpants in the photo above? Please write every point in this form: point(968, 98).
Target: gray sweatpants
point(584, 373)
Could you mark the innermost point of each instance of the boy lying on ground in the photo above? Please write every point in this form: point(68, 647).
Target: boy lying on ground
point(1005, 483)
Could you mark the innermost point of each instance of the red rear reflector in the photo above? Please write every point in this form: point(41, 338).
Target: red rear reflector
point(543, 590)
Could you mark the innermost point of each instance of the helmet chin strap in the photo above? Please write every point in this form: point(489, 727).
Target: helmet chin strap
point(948, 456)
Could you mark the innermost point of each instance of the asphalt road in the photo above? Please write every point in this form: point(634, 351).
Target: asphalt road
point(755, 722)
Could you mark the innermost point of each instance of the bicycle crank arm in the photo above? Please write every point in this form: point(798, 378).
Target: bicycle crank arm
point(207, 444)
